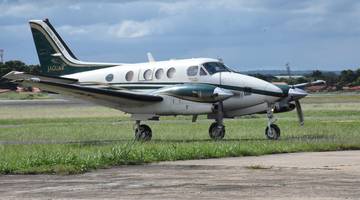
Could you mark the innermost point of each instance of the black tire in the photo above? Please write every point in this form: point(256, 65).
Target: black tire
point(216, 132)
point(144, 133)
point(275, 132)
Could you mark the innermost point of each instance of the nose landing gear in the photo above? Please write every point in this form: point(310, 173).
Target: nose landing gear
point(217, 129)
point(272, 131)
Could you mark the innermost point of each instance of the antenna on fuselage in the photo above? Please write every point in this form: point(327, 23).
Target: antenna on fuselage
point(150, 57)
point(220, 59)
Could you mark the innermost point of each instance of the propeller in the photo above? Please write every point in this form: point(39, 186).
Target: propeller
point(295, 94)
point(299, 112)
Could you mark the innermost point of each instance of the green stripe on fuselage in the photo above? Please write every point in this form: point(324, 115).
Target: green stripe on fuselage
point(154, 86)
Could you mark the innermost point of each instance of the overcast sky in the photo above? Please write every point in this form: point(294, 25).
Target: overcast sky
point(256, 34)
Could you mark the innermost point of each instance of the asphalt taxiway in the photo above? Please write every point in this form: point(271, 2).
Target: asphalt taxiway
point(318, 175)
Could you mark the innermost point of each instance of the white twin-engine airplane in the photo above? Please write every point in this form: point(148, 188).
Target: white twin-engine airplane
point(197, 86)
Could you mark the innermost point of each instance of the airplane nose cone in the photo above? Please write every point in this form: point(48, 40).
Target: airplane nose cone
point(268, 91)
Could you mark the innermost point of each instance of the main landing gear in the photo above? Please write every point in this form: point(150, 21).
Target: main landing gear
point(272, 131)
point(142, 132)
point(217, 129)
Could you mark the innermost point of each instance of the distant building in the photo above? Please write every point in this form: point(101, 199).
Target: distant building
point(354, 88)
point(279, 83)
point(316, 88)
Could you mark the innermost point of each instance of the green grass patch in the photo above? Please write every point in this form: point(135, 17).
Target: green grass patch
point(70, 140)
point(23, 96)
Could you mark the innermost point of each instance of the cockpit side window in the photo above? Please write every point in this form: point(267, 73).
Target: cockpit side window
point(215, 67)
point(202, 72)
point(192, 71)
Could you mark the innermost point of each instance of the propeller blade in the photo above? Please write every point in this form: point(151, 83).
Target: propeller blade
point(299, 112)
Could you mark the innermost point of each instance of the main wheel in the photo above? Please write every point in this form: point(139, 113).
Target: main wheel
point(216, 132)
point(274, 134)
point(143, 133)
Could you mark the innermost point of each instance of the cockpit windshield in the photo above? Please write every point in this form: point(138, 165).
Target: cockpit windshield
point(215, 67)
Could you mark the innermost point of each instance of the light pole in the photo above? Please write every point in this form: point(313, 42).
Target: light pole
point(1, 55)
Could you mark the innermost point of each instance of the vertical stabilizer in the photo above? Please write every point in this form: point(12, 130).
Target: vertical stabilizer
point(56, 58)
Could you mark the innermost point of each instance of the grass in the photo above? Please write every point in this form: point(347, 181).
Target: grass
point(69, 140)
point(22, 96)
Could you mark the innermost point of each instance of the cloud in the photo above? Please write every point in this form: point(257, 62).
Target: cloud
point(132, 29)
point(72, 30)
point(17, 10)
point(75, 7)
point(124, 29)
point(136, 29)
point(229, 28)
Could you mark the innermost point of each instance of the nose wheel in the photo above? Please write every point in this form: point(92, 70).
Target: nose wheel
point(217, 129)
point(272, 131)
point(142, 132)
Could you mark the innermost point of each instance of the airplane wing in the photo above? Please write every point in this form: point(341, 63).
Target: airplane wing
point(305, 85)
point(71, 87)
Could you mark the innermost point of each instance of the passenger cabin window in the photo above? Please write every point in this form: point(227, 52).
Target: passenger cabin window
point(202, 72)
point(215, 67)
point(159, 73)
point(129, 75)
point(170, 72)
point(109, 77)
point(192, 71)
point(148, 74)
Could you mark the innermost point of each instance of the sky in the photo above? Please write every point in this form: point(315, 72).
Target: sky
point(247, 35)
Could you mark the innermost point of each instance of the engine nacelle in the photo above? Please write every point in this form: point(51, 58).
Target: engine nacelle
point(279, 108)
point(196, 92)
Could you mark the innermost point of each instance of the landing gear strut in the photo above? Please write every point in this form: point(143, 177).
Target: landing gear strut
point(217, 129)
point(272, 131)
point(142, 132)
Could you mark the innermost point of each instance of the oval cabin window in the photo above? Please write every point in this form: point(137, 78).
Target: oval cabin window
point(148, 74)
point(109, 77)
point(129, 75)
point(171, 72)
point(192, 71)
point(159, 73)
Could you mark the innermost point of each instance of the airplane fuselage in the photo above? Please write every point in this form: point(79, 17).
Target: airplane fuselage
point(151, 76)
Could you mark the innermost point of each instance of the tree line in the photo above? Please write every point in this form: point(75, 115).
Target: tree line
point(346, 78)
point(16, 65)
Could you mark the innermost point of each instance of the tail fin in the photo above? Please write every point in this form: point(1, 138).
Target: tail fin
point(56, 59)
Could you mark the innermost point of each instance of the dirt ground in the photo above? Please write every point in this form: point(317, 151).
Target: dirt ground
point(325, 175)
